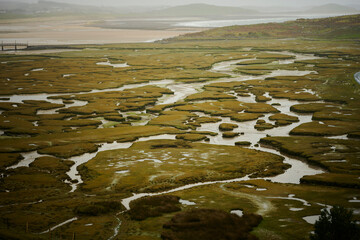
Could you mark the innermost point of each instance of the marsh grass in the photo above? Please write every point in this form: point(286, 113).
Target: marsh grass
point(165, 164)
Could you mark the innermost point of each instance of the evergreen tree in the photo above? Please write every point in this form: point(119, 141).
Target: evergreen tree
point(336, 225)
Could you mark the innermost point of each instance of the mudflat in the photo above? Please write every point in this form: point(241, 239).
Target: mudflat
point(51, 31)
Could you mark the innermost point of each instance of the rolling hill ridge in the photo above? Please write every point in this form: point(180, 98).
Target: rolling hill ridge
point(343, 27)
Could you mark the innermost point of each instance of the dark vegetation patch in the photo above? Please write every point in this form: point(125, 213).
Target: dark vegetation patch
point(312, 107)
point(230, 134)
point(98, 208)
point(115, 118)
point(281, 116)
point(261, 125)
point(338, 223)
point(257, 61)
point(275, 169)
point(326, 128)
point(155, 206)
point(338, 156)
point(175, 119)
point(210, 224)
point(259, 98)
point(8, 159)
point(243, 143)
point(202, 120)
point(53, 165)
point(354, 135)
point(227, 126)
point(252, 72)
point(70, 150)
point(120, 134)
point(333, 179)
point(208, 95)
point(158, 169)
point(243, 117)
point(192, 137)
point(174, 144)
point(34, 178)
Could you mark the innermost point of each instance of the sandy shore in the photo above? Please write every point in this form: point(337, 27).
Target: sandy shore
point(88, 36)
point(36, 52)
point(76, 32)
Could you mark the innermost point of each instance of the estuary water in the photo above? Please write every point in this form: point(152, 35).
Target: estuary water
point(357, 77)
point(181, 91)
point(248, 20)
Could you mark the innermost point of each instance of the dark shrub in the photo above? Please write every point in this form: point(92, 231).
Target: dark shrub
point(210, 224)
point(98, 208)
point(153, 206)
point(336, 224)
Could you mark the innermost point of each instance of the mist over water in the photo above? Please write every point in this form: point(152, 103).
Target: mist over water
point(289, 3)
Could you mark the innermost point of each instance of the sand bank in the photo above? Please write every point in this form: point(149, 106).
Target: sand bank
point(78, 32)
point(88, 36)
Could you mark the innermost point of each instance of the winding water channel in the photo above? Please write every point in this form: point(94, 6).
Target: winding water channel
point(181, 91)
point(357, 77)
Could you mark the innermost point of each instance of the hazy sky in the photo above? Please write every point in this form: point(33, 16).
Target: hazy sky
point(291, 3)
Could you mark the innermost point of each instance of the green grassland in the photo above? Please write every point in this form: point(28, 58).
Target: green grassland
point(36, 198)
point(345, 27)
point(184, 164)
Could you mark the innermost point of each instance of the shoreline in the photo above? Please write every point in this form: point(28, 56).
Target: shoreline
point(357, 77)
point(75, 31)
point(90, 36)
point(79, 32)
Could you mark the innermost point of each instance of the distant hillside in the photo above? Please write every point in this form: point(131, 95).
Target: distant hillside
point(343, 27)
point(355, 6)
point(10, 6)
point(332, 8)
point(202, 10)
point(276, 8)
point(48, 8)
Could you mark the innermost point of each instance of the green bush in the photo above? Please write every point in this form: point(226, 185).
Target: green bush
point(336, 224)
point(97, 208)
